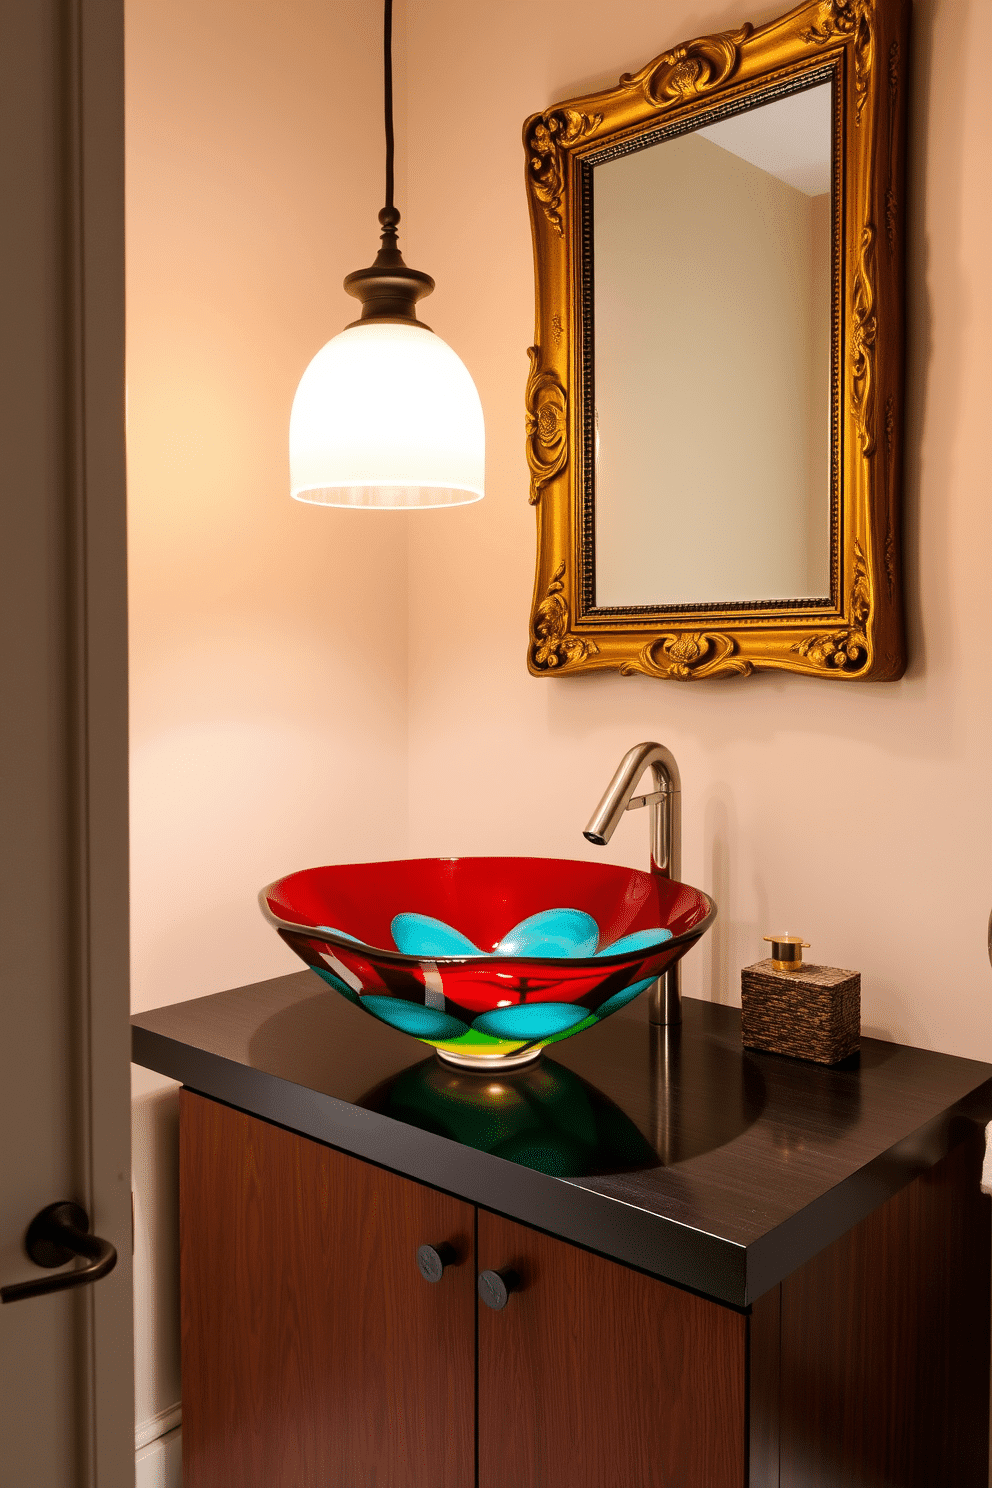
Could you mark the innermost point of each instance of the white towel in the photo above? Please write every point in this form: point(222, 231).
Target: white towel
point(987, 1164)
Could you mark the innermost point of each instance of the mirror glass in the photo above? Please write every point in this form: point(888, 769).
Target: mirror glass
point(711, 299)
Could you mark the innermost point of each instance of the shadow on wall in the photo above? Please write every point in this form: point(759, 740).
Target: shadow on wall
point(732, 943)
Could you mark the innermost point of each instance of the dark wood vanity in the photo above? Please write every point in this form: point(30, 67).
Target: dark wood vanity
point(726, 1269)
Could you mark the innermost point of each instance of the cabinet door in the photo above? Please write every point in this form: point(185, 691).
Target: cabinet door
point(595, 1376)
point(314, 1355)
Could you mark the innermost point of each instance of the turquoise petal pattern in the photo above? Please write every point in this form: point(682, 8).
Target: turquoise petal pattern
point(336, 983)
point(342, 934)
point(422, 1022)
point(421, 935)
point(621, 999)
point(555, 934)
point(531, 1020)
point(639, 940)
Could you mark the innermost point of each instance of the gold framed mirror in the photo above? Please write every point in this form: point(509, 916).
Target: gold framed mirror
point(714, 406)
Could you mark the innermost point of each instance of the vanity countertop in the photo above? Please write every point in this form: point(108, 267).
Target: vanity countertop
point(711, 1166)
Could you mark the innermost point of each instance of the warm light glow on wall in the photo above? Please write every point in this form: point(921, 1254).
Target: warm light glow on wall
point(387, 415)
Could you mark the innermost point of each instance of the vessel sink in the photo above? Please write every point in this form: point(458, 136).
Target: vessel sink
point(488, 960)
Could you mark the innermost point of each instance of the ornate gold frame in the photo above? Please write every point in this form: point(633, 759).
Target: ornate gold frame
point(862, 46)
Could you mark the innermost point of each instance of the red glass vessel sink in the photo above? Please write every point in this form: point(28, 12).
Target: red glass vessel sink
point(488, 960)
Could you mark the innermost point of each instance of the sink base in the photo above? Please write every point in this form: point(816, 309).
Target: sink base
point(483, 1066)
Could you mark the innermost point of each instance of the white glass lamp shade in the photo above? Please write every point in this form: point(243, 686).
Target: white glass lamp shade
point(386, 415)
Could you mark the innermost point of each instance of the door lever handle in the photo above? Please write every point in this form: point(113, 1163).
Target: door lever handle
point(54, 1236)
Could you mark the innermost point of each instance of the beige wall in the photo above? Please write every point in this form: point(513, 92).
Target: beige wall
point(859, 815)
point(268, 638)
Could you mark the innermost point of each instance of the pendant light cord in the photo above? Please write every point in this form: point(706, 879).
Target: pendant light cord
point(388, 217)
point(388, 288)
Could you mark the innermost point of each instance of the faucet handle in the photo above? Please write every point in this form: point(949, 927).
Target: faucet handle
point(648, 800)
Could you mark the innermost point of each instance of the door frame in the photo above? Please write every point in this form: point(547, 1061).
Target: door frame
point(93, 133)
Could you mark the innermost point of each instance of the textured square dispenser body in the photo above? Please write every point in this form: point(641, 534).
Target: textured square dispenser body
point(812, 1013)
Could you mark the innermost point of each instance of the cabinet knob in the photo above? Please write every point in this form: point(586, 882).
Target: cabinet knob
point(495, 1287)
point(432, 1260)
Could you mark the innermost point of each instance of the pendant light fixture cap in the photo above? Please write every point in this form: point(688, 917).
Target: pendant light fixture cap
point(388, 290)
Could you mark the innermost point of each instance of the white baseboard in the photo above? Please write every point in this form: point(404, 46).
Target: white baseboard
point(156, 1426)
point(160, 1463)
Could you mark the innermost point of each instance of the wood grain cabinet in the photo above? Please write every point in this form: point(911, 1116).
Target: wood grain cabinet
point(313, 1353)
point(316, 1356)
point(594, 1374)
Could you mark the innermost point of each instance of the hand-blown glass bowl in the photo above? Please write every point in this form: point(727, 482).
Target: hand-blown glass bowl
point(488, 960)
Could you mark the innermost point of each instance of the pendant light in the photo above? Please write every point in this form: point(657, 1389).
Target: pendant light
point(387, 415)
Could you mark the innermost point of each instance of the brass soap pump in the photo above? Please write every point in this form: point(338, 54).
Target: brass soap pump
point(787, 951)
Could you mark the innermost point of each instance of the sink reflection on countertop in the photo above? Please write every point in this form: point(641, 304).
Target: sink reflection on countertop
point(544, 1117)
point(688, 1089)
point(629, 1096)
point(698, 1095)
point(702, 1095)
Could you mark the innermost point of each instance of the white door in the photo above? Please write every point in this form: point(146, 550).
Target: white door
point(66, 1394)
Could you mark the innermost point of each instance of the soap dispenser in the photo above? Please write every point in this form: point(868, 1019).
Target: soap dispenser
point(799, 1009)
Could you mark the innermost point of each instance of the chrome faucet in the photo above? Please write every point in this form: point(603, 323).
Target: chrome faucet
point(665, 823)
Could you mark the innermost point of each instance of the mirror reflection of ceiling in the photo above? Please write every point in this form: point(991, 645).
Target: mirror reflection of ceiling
point(785, 139)
point(712, 325)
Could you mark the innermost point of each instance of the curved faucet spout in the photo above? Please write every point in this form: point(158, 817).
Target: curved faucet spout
point(665, 802)
point(665, 822)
